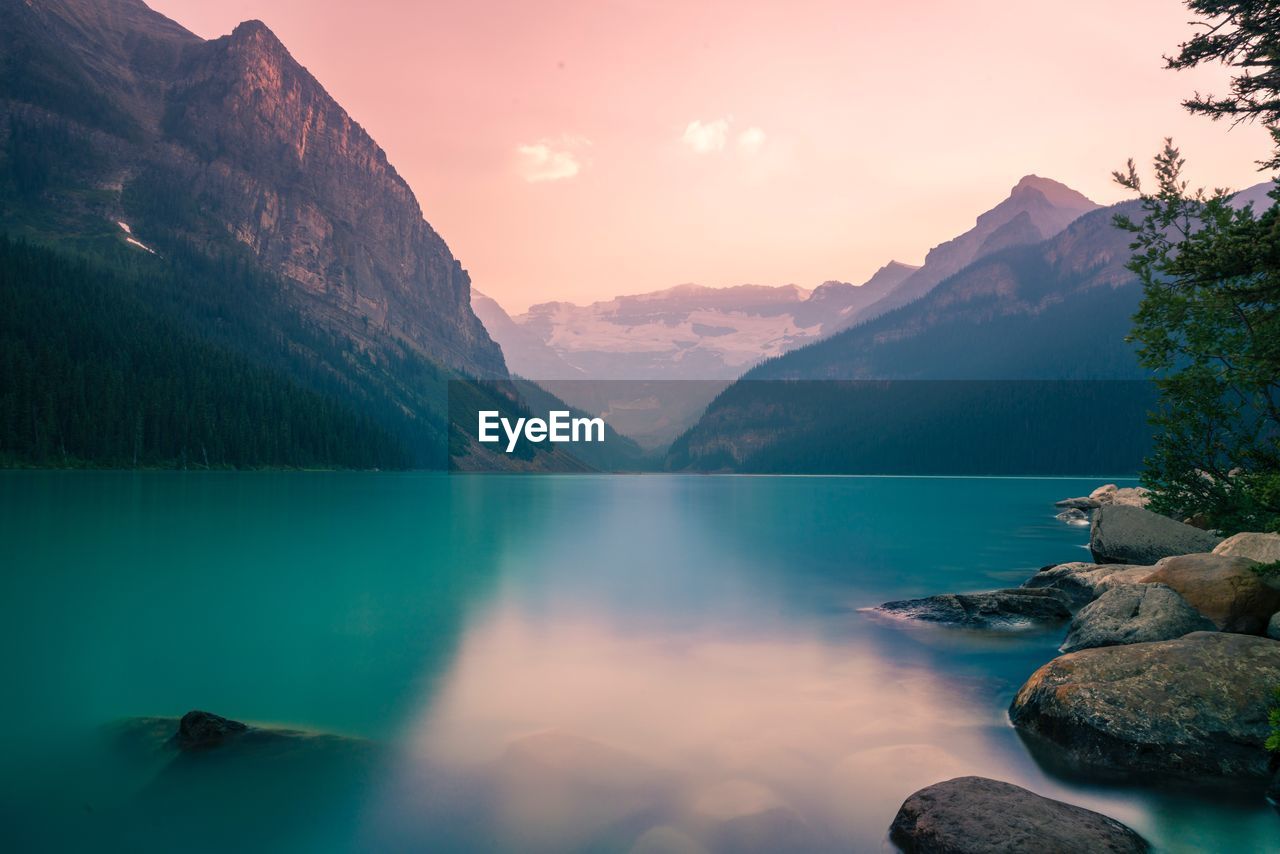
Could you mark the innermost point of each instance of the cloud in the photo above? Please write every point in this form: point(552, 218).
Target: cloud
point(751, 140)
point(706, 137)
point(551, 159)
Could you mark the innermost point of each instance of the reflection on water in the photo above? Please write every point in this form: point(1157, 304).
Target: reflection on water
point(539, 664)
point(585, 731)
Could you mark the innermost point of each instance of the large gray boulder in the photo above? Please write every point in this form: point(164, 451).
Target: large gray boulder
point(1134, 613)
point(1123, 534)
point(1193, 708)
point(1264, 548)
point(976, 815)
point(1079, 581)
point(1227, 590)
point(1015, 608)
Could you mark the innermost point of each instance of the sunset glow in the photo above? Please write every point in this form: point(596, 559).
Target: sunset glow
point(582, 150)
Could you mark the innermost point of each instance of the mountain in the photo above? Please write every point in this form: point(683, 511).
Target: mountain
point(1051, 317)
point(1057, 309)
point(220, 184)
point(688, 332)
point(229, 141)
point(834, 303)
point(1037, 208)
point(526, 353)
point(650, 363)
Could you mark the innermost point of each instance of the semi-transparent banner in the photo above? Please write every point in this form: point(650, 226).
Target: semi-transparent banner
point(889, 427)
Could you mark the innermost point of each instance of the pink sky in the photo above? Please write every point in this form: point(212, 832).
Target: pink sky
point(583, 150)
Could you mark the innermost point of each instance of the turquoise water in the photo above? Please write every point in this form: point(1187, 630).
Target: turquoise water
point(538, 663)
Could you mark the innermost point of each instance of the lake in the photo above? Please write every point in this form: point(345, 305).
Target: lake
point(522, 663)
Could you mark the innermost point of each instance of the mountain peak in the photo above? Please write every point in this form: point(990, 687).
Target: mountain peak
point(1055, 192)
point(251, 27)
point(897, 267)
point(255, 32)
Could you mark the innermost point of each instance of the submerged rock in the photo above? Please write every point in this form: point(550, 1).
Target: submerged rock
point(1072, 516)
point(1123, 534)
point(1013, 608)
point(1135, 613)
point(1224, 589)
point(190, 741)
point(201, 730)
point(227, 792)
point(1264, 548)
point(1189, 708)
point(974, 815)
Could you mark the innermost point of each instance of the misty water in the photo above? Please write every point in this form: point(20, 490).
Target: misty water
point(604, 663)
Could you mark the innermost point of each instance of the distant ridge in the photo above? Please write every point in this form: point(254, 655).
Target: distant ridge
point(688, 331)
point(1053, 311)
point(1035, 209)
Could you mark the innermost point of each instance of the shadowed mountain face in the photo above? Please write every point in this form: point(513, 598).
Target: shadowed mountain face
point(526, 354)
point(111, 113)
point(1058, 309)
point(1055, 309)
point(687, 332)
point(1037, 208)
point(1051, 312)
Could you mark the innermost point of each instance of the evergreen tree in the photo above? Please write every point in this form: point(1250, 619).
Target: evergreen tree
point(1209, 322)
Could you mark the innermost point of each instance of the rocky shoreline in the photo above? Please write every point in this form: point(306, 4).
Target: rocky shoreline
point(1169, 668)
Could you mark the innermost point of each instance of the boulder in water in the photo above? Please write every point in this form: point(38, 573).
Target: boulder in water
point(976, 815)
point(1015, 608)
point(1124, 534)
point(1134, 613)
point(1194, 708)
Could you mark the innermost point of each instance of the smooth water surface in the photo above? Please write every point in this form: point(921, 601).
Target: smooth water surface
point(604, 663)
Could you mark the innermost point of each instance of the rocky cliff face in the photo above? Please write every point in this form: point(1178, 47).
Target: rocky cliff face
point(231, 143)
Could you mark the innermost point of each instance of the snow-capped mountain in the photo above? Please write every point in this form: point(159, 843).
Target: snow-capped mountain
point(688, 332)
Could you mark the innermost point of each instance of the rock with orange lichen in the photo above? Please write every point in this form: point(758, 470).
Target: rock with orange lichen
point(1191, 708)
